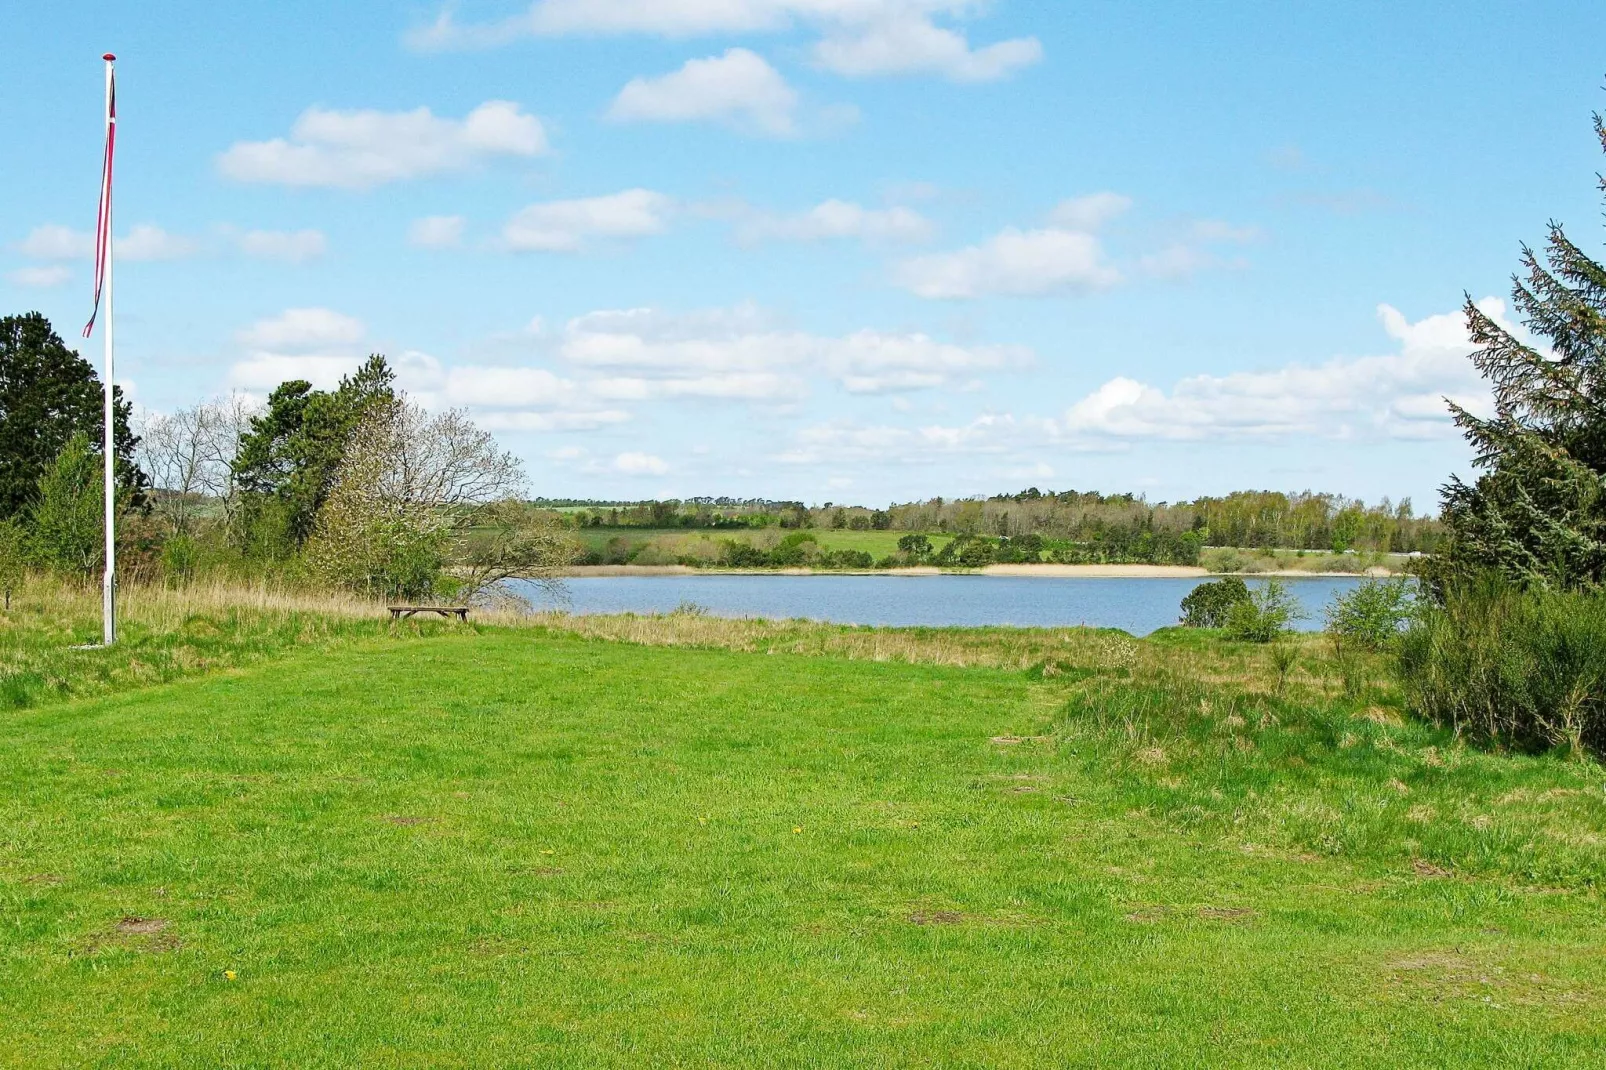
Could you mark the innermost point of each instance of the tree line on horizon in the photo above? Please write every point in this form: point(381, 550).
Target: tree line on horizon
point(1248, 519)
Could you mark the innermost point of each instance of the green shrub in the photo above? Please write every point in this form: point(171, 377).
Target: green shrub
point(1521, 668)
point(66, 517)
point(915, 547)
point(851, 559)
point(1265, 616)
point(1208, 604)
point(1371, 615)
point(735, 553)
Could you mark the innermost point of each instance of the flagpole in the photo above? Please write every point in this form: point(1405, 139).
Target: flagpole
point(108, 590)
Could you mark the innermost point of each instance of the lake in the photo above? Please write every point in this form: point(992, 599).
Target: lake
point(1138, 606)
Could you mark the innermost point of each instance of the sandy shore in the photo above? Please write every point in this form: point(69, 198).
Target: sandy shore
point(1086, 572)
point(1102, 572)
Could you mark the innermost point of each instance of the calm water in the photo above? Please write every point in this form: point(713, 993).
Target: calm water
point(1138, 606)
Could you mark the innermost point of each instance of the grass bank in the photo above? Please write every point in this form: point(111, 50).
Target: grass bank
point(682, 840)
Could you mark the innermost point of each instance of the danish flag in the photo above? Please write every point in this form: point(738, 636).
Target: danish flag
point(103, 236)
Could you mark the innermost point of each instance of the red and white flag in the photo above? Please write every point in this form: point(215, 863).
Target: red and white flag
point(103, 236)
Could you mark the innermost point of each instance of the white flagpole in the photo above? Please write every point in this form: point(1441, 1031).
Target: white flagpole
point(108, 590)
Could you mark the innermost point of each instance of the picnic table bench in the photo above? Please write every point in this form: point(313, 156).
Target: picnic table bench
point(398, 612)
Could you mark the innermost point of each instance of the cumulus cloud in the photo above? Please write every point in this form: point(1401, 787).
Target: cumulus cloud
point(39, 277)
point(567, 226)
point(836, 219)
point(859, 37)
point(362, 149)
point(290, 246)
point(739, 89)
point(742, 353)
point(1399, 395)
point(148, 242)
point(1179, 260)
point(436, 232)
point(640, 464)
point(1014, 262)
point(262, 372)
point(843, 442)
point(56, 242)
point(1089, 212)
point(907, 42)
point(144, 241)
point(303, 328)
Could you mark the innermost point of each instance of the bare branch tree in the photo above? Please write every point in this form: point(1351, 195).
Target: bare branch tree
point(188, 454)
point(421, 492)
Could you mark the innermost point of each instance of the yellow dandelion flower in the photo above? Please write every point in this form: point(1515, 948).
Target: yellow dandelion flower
point(229, 975)
point(798, 831)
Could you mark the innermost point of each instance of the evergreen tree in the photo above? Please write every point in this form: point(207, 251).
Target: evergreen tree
point(1538, 511)
point(288, 461)
point(48, 393)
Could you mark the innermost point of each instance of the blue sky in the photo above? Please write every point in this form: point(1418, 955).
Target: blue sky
point(847, 250)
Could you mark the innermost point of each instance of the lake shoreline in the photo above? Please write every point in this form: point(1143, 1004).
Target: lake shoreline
point(1121, 572)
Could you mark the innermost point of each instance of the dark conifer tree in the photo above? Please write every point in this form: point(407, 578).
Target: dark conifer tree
point(1538, 511)
point(48, 393)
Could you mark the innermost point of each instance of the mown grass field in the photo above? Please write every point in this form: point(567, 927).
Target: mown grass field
point(679, 841)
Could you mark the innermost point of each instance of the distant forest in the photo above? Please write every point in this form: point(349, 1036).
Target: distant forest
point(1109, 525)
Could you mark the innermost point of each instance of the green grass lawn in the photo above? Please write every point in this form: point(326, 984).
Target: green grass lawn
point(521, 847)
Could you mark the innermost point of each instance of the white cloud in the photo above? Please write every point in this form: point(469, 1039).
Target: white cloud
point(436, 232)
point(147, 242)
point(640, 464)
point(303, 328)
point(908, 42)
point(1216, 230)
point(291, 246)
point(840, 219)
point(741, 353)
point(1178, 260)
point(1014, 262)
point(56, 242)
point(1399, 395)
point(565, 226)
point(40, 277)
point(1089, 212)
point(552, 421)
point(739, 88)
point(860, 37)
point(265, 371)
point(144, 241)
point(362, 149)
point(844, 442)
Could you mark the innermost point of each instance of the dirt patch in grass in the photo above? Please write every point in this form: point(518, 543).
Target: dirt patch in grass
point(1149, 915)
point(137, 926)
point(407, 821)
point(1453, 976)
point(936, 917)
point(1225, 913)
point(1424, 868)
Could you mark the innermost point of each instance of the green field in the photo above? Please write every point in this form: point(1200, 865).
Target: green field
point(535, 847)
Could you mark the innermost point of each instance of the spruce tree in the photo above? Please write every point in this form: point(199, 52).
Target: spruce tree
point(1538, 512)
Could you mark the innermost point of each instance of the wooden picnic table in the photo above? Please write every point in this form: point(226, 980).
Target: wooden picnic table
point(398, 612)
